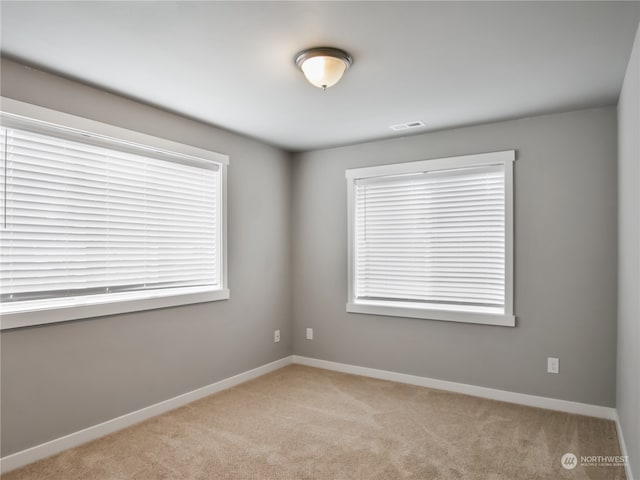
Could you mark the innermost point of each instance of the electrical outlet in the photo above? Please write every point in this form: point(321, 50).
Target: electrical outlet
point(553, 365)
point(309, 333)
point(276, 336)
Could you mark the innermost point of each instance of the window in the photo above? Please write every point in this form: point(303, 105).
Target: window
point(433, 239)
point(95, 224)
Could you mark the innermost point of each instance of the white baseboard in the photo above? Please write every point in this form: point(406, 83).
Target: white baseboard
point(502, 395)
point(30, 455)
point(623, 448)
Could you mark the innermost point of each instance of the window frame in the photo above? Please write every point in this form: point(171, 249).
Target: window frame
point(397, 309)
point(147, 300)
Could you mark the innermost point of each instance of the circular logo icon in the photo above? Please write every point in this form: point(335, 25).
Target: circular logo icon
point(569, 461)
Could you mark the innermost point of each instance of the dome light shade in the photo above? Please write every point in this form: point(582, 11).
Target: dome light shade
point(323, 66)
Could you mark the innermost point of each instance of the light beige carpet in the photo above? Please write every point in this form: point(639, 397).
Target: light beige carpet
point(306, 423)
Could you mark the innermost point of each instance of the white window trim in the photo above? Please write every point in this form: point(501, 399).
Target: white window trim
point(506, 158)
point(144, 300)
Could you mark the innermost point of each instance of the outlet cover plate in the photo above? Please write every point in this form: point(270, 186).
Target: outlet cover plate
point(553, 365)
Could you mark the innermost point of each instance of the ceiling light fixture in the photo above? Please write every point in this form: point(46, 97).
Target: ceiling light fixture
point(323, 66)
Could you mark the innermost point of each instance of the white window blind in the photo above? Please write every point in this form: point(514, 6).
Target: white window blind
point(432, 237)
point(83, 222)
point(430, 240)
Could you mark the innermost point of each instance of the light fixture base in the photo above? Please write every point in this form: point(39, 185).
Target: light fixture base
point(304, 55)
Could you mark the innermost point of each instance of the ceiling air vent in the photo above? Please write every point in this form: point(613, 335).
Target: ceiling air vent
point(406, 126)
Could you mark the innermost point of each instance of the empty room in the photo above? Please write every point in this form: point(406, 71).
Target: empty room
point(293, 240)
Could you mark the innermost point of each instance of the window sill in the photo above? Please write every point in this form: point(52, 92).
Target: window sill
point(429, 314)
point(53, 314)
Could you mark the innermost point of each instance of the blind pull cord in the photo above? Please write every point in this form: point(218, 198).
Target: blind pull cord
point(4, 213)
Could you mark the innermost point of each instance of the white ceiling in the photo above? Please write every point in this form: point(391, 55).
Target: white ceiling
point(231, 63)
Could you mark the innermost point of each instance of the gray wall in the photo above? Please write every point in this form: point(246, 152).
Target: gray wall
point(628, 394)
point(565, 263)
point(287, 233)
point(58, 379)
